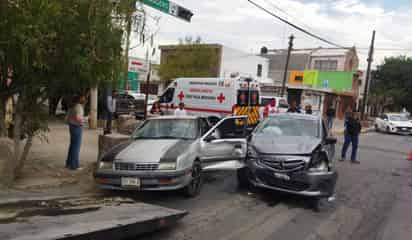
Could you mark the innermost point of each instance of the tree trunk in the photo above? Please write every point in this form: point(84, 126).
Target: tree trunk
point(53, 102)
point(23, 156)
point(17, 132)
point(3, 130)
point(93, 108)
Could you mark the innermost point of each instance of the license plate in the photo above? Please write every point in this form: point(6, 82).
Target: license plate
point(282, 176)
point(404, 129)
point(130, 182)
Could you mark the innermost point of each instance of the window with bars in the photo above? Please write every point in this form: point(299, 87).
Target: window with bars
point(326, 65)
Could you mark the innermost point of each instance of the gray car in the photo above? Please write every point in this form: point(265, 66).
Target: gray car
point(169, 153)
point(291, 153)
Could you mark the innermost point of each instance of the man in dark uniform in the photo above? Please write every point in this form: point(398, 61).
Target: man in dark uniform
point(352, 130)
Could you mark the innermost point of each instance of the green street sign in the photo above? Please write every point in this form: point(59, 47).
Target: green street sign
point(161, 5)
point(170, 8)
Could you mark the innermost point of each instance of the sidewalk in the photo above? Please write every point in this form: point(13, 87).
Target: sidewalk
point(44, 172)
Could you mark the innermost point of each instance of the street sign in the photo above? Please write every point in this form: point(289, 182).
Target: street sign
point(170, 8)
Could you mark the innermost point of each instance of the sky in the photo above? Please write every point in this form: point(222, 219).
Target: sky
point(238, 24)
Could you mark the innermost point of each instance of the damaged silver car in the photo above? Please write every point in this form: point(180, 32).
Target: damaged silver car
point(170, 153)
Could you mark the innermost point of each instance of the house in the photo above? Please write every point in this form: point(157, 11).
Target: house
point(322, 77)
point(228, 61)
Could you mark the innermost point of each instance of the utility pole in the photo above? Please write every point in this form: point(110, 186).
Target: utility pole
point(285, 74)
point(149, 74)
point(368, 71)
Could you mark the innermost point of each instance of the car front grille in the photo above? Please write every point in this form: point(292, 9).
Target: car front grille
point(291, 185)
point(283, 165)
point(124, 166)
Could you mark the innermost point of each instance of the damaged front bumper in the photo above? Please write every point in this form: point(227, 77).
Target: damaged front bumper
point(313, 184)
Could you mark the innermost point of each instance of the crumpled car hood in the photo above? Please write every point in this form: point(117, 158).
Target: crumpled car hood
point(284, 145)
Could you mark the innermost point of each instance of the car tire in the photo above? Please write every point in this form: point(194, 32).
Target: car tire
point(376, 128)
point(388, 130)
point(193, 188)
point(243, 178)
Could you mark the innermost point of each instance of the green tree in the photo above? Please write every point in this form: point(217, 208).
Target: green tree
point(50, 47)
point(393, 83)
point(189, 59)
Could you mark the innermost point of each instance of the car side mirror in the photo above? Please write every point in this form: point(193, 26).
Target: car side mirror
point(330, 140)
point(209, 138)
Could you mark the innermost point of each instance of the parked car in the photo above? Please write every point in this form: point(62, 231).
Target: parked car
point(291, 153)
point(393, 123)
point(132, 102)
point(169, 153)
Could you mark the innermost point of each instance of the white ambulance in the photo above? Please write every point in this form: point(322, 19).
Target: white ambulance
point(213, 97)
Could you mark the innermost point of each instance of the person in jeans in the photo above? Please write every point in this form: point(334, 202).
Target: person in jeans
point(352, 131)
point(111, 112)
point(75, 120)
point(330, 116)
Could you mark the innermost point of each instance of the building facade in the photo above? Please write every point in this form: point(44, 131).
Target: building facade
point(228, 61)
point(322, 77)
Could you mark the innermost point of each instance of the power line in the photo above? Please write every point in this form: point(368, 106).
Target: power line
point(295, 26)
point(286, 13)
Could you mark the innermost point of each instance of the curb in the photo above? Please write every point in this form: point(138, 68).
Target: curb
point(11, 201)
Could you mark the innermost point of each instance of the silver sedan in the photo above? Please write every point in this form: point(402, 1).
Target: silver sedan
point(169, 153)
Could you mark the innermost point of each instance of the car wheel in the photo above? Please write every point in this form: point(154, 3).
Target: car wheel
point(193, 188)
point(243, 178)
point(376, 128)
point(388, 130)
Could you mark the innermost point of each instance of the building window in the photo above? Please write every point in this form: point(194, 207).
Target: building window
point(326, 65)
point(259, 70)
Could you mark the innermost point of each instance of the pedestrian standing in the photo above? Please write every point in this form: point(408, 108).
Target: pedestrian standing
point(75, 118)
point(111, 111)
point(181, 111)
point(352, 131)
point(293, 108)
point(330, 116)
point(308, 109)
point(270, 109)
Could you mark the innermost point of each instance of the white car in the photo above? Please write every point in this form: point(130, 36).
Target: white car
point(393, 123)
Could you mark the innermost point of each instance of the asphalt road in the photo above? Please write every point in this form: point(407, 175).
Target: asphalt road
point(373, 202)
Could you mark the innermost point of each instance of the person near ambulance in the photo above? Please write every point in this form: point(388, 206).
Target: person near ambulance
point(271, 109)
point(181, 111)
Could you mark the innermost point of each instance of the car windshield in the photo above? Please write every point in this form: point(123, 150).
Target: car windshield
point(168, 128)
point(398, 118)
point(289, 126)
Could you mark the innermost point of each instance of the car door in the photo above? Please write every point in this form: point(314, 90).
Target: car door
point(329, 148)
point(224, 146)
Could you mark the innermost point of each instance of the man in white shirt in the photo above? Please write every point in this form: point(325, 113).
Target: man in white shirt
point(111, 111)
point(180, 111)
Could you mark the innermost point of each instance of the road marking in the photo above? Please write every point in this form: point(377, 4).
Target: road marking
point(339, 225)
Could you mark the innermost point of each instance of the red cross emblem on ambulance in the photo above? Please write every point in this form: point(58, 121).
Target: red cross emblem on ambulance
point(181, 95)
point(221, 98)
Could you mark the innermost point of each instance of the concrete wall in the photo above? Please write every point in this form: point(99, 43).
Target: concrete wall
point(246, 64)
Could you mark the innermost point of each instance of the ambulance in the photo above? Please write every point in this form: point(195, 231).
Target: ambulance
point(213, 98)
